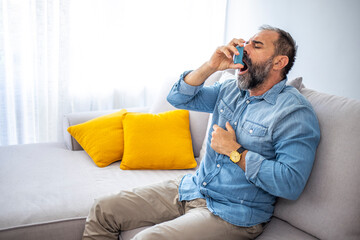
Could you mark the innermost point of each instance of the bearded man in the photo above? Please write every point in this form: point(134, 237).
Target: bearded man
point(261, 146)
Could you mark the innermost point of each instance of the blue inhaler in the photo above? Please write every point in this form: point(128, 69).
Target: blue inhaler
point(238, 58)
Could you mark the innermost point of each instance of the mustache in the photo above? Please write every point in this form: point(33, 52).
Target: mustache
point(247, 59)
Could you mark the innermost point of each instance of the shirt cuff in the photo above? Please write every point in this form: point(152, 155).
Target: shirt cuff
point(253, 163)
point(187, 89)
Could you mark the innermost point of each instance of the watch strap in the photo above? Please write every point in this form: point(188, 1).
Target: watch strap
point(240, 150)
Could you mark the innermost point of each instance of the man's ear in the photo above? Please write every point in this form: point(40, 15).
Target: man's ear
point(280, 62)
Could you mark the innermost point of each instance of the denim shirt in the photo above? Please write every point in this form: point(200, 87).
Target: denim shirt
point(279, 129)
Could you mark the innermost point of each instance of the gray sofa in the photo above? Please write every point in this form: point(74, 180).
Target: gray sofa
point(47, 189)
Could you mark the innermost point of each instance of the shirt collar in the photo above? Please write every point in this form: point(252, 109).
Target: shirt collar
point(271, 95)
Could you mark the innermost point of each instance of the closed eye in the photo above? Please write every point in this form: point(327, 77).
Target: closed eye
point(256, 44)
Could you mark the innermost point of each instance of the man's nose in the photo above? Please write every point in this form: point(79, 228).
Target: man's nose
point(246, 48)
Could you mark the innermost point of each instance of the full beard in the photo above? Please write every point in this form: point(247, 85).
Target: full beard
point(256, 74)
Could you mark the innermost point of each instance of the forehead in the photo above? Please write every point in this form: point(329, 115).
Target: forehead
point(268, 38)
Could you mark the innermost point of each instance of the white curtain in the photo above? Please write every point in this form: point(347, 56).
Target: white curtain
point(61, 56)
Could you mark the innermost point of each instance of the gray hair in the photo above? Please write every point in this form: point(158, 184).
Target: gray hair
point(285, 45)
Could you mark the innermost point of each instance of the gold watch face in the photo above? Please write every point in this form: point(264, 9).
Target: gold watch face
point(235, 156)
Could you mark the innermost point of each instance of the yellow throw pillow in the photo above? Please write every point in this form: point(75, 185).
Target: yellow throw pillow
point(102, 138)
point(157, 141)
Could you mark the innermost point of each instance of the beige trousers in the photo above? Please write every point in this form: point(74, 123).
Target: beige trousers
point(158, 206)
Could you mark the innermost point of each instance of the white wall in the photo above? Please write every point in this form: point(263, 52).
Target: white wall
point(326, 31)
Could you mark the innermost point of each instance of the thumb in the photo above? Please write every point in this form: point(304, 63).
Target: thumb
point(236, 66)
point(215, 126)
point(229, 127)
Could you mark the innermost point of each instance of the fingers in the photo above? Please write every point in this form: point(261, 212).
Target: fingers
point(223, 57)
point(237, 42)
point(217, 130)
point(227, 51)
point(230, 49)
point(222, 139)
point(234, 50)
point(229, 127)
point(236, 66)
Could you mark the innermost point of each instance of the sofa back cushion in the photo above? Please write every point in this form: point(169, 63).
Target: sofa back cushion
point(329, 207)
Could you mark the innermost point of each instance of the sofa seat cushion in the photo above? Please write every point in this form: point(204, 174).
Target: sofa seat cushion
point(46, 182)
point(278, 229)
point(65, 229)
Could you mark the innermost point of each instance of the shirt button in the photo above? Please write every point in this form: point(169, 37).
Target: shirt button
point(204, 183)
point(218, 165)
point(235, 123)
point(221, 110)
point(247, 101)
point(251, 131)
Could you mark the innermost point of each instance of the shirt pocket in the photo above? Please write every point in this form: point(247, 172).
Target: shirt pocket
point(254, 129)
point(225, 114)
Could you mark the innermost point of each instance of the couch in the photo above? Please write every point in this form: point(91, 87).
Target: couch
point(47, 189)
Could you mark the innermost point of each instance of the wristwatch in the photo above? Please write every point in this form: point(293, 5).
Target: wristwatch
point(235, 156)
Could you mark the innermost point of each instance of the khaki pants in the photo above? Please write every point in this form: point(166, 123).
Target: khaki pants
point(158, 206)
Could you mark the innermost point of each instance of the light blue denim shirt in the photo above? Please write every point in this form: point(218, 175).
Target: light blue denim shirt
point(279, 129)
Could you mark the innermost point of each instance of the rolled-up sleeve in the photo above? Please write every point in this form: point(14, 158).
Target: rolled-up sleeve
point(197, 98)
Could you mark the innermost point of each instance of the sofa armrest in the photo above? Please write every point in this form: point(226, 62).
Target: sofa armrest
point(71, 119)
